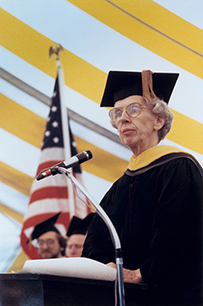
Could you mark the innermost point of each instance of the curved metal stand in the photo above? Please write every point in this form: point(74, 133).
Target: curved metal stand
point(113, 233)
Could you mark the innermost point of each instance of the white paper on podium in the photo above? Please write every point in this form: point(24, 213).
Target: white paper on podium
point(79, 267)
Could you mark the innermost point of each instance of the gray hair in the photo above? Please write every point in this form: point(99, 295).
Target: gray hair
point(160, 108)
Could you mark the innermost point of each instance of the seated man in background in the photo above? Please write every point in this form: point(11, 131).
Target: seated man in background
point(50, 243)
point(76, 235)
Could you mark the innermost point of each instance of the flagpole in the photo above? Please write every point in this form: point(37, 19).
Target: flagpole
point(64, 118)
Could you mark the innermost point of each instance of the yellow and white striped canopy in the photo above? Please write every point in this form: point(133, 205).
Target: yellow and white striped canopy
point(97, 36)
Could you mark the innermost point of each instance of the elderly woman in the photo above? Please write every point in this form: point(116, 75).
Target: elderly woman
point(156, 205)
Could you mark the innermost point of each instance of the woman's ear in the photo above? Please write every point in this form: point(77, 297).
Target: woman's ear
point(159, 122)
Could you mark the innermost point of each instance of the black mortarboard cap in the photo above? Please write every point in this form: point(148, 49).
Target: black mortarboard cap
point(79, 226)
point(122, 84)
point(45, 226)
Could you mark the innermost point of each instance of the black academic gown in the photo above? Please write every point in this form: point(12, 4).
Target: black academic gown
point(157, 212)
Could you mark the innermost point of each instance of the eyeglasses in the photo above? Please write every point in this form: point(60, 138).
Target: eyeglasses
point(132, 110)
point(49, 242)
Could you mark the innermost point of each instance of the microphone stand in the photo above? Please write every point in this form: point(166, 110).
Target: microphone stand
point(113, 233)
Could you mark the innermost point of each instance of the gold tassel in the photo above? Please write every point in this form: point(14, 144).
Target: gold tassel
point(30, 241)
point(147, 85)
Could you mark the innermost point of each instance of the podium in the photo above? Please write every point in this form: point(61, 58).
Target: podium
point(47, 290)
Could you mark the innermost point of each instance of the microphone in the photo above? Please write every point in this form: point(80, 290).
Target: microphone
point(71, 162)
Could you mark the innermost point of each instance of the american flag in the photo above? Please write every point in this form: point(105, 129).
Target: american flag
point(52, 194)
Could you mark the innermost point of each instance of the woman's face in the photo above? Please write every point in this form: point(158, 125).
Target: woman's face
point(138, 133)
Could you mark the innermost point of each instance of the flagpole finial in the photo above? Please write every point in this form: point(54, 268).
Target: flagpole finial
point(55, 50)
